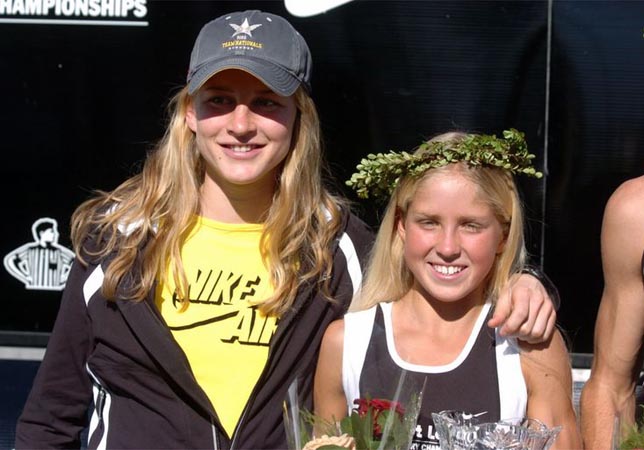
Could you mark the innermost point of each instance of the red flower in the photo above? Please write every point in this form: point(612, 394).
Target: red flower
point(377, 406)
point(380, 404)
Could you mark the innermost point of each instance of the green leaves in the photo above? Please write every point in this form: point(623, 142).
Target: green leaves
point(378, 174)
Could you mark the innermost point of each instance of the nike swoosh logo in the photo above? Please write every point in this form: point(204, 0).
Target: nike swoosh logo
point(308, 8)
point(205, 322)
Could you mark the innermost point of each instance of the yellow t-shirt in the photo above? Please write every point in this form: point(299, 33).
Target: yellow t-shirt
point(223, 334)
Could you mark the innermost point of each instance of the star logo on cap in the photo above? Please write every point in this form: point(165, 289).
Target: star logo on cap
point(244, 28)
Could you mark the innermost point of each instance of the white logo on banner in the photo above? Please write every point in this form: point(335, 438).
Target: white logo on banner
point(307, 8)
point(42, 264)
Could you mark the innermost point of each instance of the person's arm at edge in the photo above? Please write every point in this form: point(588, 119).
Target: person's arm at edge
point(329, 400)
point(619, 327)
point(548, 375)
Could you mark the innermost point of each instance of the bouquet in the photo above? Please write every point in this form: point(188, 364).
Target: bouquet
point(374, 423)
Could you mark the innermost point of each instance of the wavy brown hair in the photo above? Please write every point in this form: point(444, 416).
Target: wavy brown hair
point(144, 222)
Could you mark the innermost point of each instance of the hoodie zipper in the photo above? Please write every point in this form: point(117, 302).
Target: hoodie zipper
point(99, 406)
point(251, 399)
point(100, 402)
point(215, 432)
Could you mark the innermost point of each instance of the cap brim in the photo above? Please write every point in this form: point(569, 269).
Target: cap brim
point(272, 75)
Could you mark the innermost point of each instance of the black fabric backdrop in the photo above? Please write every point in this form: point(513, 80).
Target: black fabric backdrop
point(83, 104)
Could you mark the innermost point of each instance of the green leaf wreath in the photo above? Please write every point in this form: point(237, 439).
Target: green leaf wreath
point(378, 174)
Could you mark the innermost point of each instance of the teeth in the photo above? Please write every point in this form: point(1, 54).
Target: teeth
point(447, 270)
point(241, 148)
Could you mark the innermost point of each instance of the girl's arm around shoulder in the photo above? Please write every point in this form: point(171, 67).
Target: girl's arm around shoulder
point(548, 375)
point(328, 394)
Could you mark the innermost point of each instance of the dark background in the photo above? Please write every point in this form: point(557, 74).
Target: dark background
point(83, 104)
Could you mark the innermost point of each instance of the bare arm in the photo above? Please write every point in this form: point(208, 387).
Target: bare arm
point(548, 375)
point(328, 394)
point(525, 310)
point(619, 328)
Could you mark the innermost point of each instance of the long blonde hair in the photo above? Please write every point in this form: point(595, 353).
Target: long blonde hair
point(387, 276)
point(144, 221)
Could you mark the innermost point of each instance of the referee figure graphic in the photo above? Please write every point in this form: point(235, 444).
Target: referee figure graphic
point(42, 264)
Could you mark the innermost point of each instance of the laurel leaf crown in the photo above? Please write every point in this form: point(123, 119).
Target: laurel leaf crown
point(378, 174)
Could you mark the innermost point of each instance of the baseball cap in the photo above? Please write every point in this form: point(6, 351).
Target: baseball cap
point(263, 44)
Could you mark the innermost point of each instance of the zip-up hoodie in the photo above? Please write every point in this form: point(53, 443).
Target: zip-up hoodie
point(114, 367)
